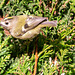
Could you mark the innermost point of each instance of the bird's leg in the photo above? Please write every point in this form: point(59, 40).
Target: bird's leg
point(36, 57)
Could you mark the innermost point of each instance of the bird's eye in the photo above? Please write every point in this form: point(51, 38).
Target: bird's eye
point(6, 23)
point(26, 25)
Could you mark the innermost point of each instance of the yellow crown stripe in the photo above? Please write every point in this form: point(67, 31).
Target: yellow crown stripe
point(8, 18)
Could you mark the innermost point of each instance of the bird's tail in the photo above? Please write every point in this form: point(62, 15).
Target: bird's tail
point(49, 23)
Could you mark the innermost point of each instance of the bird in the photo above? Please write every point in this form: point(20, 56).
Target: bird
point(26, 27)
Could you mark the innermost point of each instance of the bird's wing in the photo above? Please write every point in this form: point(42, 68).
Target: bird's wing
point(32, 22)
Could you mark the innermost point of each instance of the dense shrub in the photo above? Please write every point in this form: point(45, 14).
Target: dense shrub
point(56, 52)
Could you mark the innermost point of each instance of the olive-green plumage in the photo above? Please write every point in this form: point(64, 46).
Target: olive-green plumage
point(26, 27)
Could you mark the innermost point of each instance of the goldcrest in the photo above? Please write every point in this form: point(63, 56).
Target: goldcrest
point(26, 27)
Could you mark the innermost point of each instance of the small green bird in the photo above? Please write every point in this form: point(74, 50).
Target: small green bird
point(26, 27)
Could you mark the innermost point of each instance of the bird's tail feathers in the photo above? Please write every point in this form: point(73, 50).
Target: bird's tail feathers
point(49, 24)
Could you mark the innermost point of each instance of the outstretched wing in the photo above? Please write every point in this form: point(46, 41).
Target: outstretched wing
point(34, 21)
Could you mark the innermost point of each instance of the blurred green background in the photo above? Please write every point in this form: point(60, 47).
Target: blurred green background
point(56, 52)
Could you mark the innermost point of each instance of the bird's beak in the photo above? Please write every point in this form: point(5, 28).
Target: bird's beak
point(3, 25)
point(0, 24)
